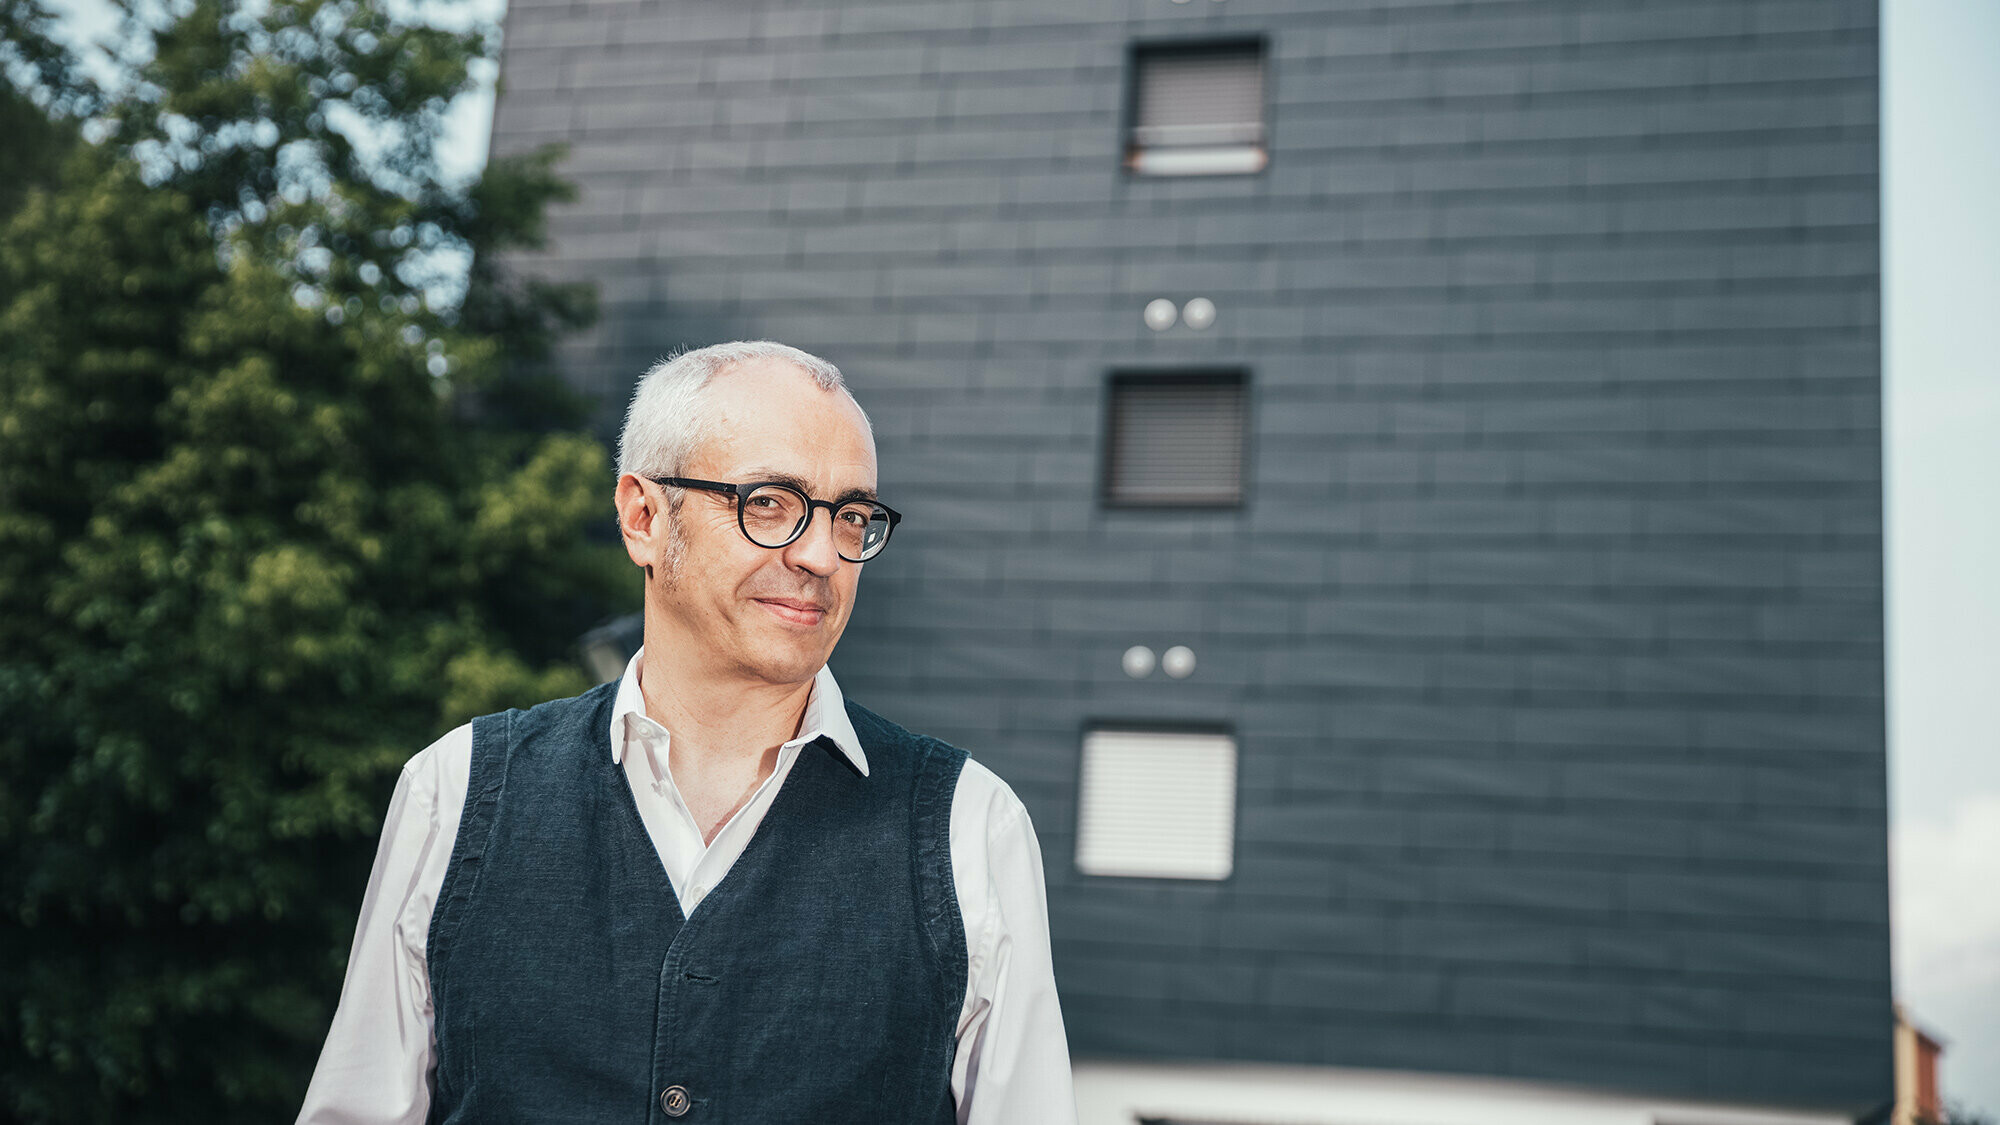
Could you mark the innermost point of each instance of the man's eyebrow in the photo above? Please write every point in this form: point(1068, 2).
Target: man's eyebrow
point(802, 485)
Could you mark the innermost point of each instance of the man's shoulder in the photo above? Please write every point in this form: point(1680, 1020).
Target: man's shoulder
point(434, 777)
point(979, 793)
point(553, 726)
point(442, 766)
point(877, 733)
point(569, 708)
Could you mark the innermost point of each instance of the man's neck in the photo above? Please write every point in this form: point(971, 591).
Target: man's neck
point(717, 721)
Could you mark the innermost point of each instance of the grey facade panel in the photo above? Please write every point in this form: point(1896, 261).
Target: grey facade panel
point(1550, 628)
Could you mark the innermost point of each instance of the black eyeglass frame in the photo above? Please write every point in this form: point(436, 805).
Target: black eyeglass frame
point(742, 493)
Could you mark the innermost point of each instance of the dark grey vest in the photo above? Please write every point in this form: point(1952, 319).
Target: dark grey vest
point(819, 981)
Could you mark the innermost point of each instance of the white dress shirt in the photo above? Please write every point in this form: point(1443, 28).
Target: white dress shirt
point(1012, 1060)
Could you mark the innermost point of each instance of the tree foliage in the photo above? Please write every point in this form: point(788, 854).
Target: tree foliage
point(272, 516)
point(40, 98)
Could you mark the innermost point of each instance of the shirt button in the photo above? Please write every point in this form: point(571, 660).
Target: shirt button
point(696, 893)
point(674, 1099)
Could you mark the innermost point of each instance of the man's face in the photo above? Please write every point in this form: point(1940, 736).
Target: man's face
point(758, 613)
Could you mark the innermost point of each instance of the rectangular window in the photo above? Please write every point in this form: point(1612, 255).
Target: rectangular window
point(1175, 440)
point(1197, 110)
point(1159, 804)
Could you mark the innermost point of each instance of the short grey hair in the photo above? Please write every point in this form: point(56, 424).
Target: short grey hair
point(667, 420)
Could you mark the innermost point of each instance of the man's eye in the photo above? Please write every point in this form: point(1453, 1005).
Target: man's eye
point(763, 501)
point(856, 516)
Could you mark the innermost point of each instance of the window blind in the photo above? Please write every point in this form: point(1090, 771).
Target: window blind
point(1176, 441)
point(1201, 98)
point(1198, 110)
point(1157, 803)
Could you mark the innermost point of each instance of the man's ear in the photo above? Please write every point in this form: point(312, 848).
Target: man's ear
point(639, 522)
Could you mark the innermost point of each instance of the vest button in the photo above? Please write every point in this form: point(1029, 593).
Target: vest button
point(674, 1099)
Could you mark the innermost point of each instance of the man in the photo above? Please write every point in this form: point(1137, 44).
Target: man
point(711, 890)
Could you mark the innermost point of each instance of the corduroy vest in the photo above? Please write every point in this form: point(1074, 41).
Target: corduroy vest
point(820, 981)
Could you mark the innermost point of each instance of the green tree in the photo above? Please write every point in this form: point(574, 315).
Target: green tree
point(40, 99)
point(271, 518)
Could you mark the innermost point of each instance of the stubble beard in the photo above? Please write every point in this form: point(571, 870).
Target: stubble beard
point(668, 572)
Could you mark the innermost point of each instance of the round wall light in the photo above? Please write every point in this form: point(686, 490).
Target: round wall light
point(1178, 662)
point(1137, 662)
point(1160, 314)
point(1199, 313)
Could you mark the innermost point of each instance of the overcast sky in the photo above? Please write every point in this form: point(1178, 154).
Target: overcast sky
point(1941, 276)
point(1941, 382)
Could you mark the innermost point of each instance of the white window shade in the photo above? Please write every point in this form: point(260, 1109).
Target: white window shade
point(1160, 804)
point(1198, 110)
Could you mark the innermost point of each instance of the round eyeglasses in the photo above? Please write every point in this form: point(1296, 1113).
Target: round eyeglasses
point(774, 514)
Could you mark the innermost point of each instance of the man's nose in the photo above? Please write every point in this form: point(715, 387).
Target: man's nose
point(814, 550)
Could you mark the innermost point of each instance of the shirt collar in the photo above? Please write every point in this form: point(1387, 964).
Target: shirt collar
point(826, 714)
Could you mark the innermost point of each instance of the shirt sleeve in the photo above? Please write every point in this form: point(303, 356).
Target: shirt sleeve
point(1012, 1063)
point(375, 1068)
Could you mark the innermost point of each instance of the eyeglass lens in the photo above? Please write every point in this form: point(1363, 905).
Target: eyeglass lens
point(774, 515)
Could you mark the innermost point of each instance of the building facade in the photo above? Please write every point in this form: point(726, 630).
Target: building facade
point(1471, 409)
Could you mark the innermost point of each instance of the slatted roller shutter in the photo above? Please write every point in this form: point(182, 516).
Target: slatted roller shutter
point(1176, 441)
point(1157, 803)
point(1198, 110)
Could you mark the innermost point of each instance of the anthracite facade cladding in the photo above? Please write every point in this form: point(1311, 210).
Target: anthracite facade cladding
point(1551, 624)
